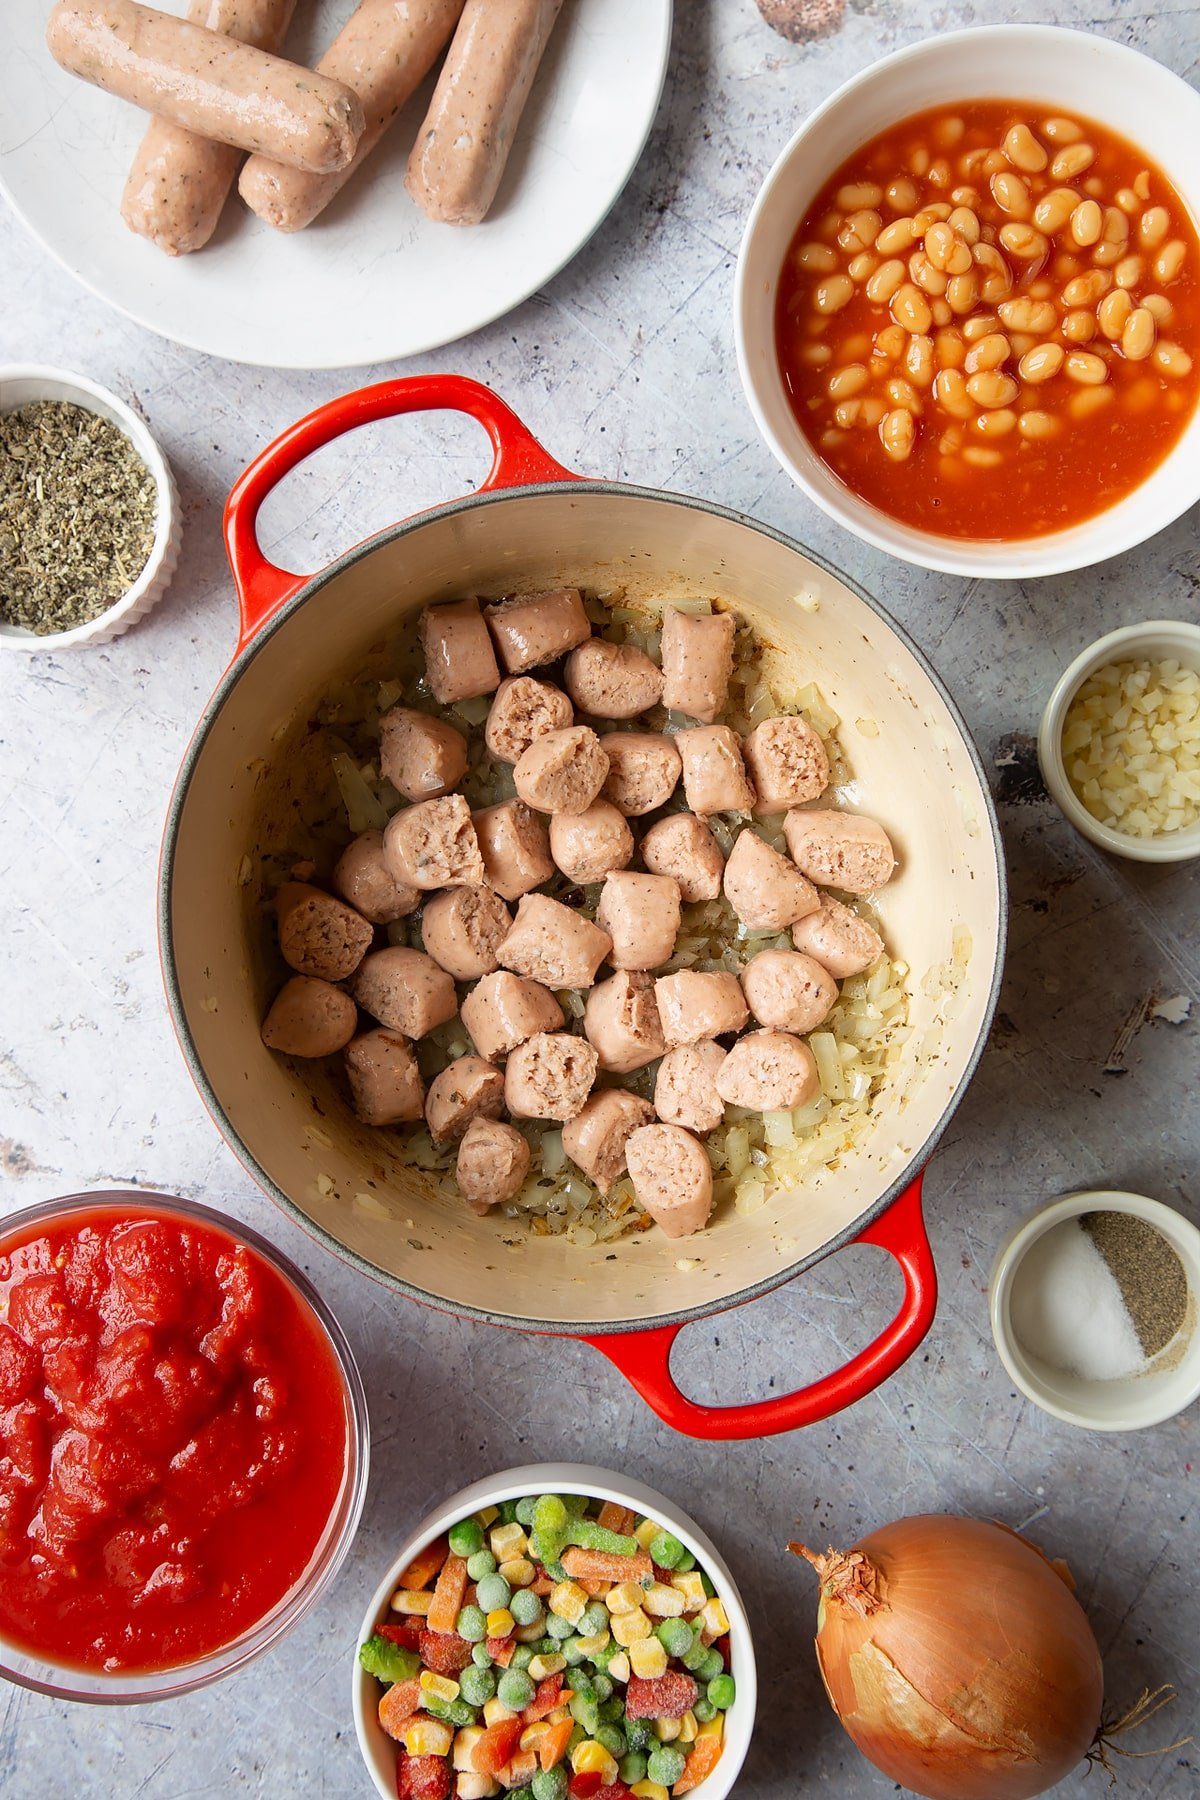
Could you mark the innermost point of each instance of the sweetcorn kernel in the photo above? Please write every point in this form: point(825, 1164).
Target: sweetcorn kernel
point(648, 1658)
point(692, 1588)
point(508, 1542)
point(464, 1746)
point(649, 1790)
point(409, 1600)
point(427, 1737)
point(495, 1712)
point(544, 1666)
point(440, 1686)
point(592, 1646)
point(627, 1628)
point(624, 1597)
point(712, 1727)
point(487, 1515)
point(619, 1666)
point(646, 1532)
point(532, 1735)
point(592, 1758)
point(662, 1601)
point(518, 1573)
point(716, 1619)
point(688, 1728)
point(500, 1623)
point(471, 1785)
point(568, 1601)
point(666, 1730)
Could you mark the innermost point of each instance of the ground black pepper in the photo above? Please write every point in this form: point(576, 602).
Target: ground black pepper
point(77, 516)
point(1151, 1277)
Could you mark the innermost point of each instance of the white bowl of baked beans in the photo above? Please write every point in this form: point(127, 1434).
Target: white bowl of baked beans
point(1119, 742)
point(968, 302)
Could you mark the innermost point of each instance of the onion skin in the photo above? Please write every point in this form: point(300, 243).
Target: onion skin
point(957, 1659)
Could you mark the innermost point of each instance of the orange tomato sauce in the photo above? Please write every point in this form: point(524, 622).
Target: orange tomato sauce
point(919, 381)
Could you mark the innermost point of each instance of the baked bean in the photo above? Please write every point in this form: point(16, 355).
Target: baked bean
point(1025, 242)
point(1037, 424)
point(939, 310)
point(965, 196)
point(940, 240)
point(964, 220)
point(1021, 342)
point(903, 196)
point(902, 394)
point(997, 281)
point(1041, 363)
point(988, 352)
point(1137, 339)
point(1113, 238)
point(1061, 131)
point(995, 163)
point(1089, 400)
point(833, 293)
point(871, 410)
point(978, 325)
point(918, 360)
point(1128, 271)
point(892, 340)
point(1072, 162)
point(858, 194)
point(847, 412)
point(1011, 194)
point(1159, 305)
point(1153, 227)
point(990, 389)
point(950, 442)
point(940, 173)
point(1128, 201)
point(982, 458)
point(901, 234)
point(1085, 290)
point(859, 231)
point(962, 292)
point(1041, 289)
point(1172, 359)
point(817, 259)
point(1141, 185)
point(1087, 222)
point(950, 391)
point(1079, 327)
point(1086, 368)
point(1054, 209)
point(1170, 260)
point(1023, 150)
point(831, 438)
point(1062, 267)
point(948, 132)
point(862, 266)
point(932, 214)
point(949, 350)
point(929, 279)
point(910, 308)
point(815, 355)
point(996, 424)
point(845, 382)
point(1024, 314)
point(919, 160)
point(1112, 313)
point(898, 434)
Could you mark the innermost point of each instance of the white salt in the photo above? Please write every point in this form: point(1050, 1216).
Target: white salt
point(1067, 1308)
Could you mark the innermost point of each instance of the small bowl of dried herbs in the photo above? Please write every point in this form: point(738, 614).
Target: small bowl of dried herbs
point(1094, 1308)
point(89, 514)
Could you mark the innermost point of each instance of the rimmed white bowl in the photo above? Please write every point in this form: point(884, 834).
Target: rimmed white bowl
point(20, 385)
point(1071, 71)
point(1153, 641)
point(379, 1751)
point(1169, 1385)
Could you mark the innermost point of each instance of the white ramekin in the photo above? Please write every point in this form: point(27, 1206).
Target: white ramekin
point(1072, 71)
point(1126, 1405)
point(22, 383)
point(379, 1752)
point(1156, 639)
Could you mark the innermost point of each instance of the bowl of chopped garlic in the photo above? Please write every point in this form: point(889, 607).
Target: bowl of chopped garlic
point(1119, 742)
point(89, 513)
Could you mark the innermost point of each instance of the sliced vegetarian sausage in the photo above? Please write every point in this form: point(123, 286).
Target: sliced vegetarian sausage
point(406, 990)
point(433, 845)
point(841, 850)
point(765, 890)
point(768, 1071)
point(503, 1009)
point(838, 938)
point(695, 1004)
point(493, 1161)
point(672, 1177)
point(309, 1017)
point(596, 1137)
point(460, 663)
point(788, 991)
point(697, 661)
point(714, 775)
point(515, 846)
point(562, 771)
point(641, 915)
point(532, 629)
point(524, 710)
point(319, 934)
point(549, 1076)
point(589, 845)
point(421, 756)
point(385, 1082)
point(462, 929)
point(685, 1090)
point(469, 1089)
point(643, 771)
point(683, 847)
point(787, 763)
point(363, 878)
point(551, 944)
point(612, 681)
point(621, 1022)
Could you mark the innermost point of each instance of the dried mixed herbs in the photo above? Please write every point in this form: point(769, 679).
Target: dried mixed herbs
point(77, 514)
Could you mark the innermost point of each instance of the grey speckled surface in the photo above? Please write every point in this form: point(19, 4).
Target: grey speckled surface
point(624, 366)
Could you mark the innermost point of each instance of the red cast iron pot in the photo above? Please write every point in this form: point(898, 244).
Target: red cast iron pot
point(535, 524)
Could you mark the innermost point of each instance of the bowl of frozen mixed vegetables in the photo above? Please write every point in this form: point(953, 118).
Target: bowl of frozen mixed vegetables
point(555, 1633)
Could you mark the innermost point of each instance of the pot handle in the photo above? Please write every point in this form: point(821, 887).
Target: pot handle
point(517, 460)
point(644, 1357)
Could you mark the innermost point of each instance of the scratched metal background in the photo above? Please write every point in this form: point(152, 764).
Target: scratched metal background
point(625, 367)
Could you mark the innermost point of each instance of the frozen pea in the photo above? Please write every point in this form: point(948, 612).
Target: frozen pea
point(476, 1685)
point(593, 1621)
point(666, 1549)
point(693, 1659)
point(525, 1511)
point(686, 1564)
point(585, 1712)
point(481, 1564)
point(675, 1636)
point(722, 1691)
point(515, 1689)
point(466, 1537)
point(550, 1784)
point(559, 1628)
point(612, 1711)
point(712, 1666)
point(632, 1767)
point(481, 1656)
point(576, 1504)
point(522, 1656)
point(572, 1649)
point(612, 1739)
point(493, 1592)
point(525, 1607)
point(665, 1765)
point(578, 1736)
point(508, 1512)
point(602, 1686)
point(472, 1624)
point(521, 1793)
point(704, 1710)
point(709, 1589)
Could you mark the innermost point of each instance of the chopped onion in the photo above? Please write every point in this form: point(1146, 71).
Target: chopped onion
point(824, 1047)
point(780, 1130)
point(363, 808)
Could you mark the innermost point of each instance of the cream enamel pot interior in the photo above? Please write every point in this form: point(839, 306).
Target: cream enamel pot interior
point(533, 525)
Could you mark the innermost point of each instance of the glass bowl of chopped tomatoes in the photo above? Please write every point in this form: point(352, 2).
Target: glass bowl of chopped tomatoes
point(183, 1446)
point(557, 1631)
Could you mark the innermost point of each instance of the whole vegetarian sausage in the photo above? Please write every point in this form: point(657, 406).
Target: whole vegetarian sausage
point(768, 1071)
point(383, 51)
point(589, 845)
point(210, 83)
point(685, 1090)
point(318, 934)
point(641, 915)
point(179, 182)
point(787, 762)
point(551, 944)
point(460, 663)
point(838, 938)
point(714, 775)
point(788, 991)
point(765, 890)
point(596, 1137)
point(672, 1177)
point(841, 850)
point(309, 1017)
point(363, 878)
point(621, 1022)
point(612, 681)
point(698, 1003)
point(469, 1089)
point(463, 145)
point(421, 756)
point(531, 629)
point(405, 990)
point(385, 1082)
point(683, 847)
point(493, 1161)
point(549, 1076)
point(562, 771)
point(504, 1009)
point(524, 709)
point(433, 845)
point(515, 846)
point(697, 661)
point(643, 771)
point(463, 928)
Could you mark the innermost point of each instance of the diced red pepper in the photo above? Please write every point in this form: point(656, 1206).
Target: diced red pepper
point(726, 1649)
point(495, 1748)
point(422, 1778)
point(501, 1650)
point(548, 1696)
point(667, 1696)
point(616, 1790)
point(407, 1636)
point(444, 1652)
point(586, 1785)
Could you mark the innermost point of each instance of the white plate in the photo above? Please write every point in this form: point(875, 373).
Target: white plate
point(372, 279)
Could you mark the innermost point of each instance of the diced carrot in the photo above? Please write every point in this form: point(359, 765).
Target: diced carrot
point(496, 1747)
point(553, 1747)
point(703, 1758)
point(502, 1650)
point(425, 1565)
point(618, 1518)
point(601, 1565)
point(448, 1595)
point(547, 1697)
point(398, 1706)
point(594, 1589)
point(519, 1771)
